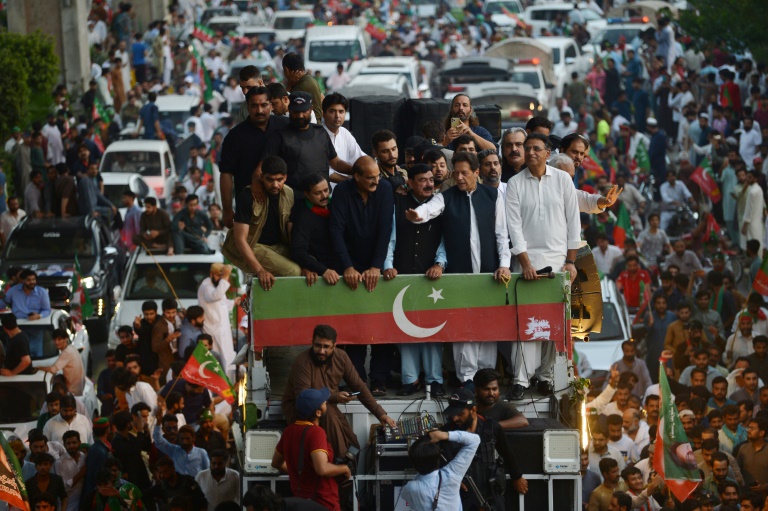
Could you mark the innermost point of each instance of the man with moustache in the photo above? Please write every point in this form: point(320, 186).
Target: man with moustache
point(237, 164)
point(573, 149)
point(461, 108)
point(487, 472)
point(323, 365)
point(489, 404)
point(384, 144)
point(512, 157)
point(417, 249)
point(477, 242)
point(490, 170)
point(305, 147)
point(311, 246)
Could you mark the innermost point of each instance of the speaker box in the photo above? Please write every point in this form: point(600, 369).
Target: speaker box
point(490, 119)
point(369, 114)
point(418, 112)
point(537, 497)
point(586, 296)
point(528, 444)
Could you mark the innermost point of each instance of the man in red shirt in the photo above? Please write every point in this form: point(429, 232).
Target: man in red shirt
point(635, 283)
point(730, 94)
point(305, 454)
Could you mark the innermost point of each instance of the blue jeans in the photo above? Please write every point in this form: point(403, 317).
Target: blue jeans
point(428, 355)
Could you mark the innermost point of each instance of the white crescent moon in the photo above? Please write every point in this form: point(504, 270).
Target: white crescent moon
point(404, 324)
point(202, 367)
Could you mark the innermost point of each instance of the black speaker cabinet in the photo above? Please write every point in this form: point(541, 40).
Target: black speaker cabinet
point(490, 119)
point(418, 112)
point(528, 444)
point(369, 114)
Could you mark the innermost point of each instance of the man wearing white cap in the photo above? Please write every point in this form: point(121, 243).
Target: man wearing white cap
point(212, 297)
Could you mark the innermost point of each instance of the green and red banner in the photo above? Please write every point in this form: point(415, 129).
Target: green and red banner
point(642, 162)
point(593, 168)
point(761, 279)
point(623, 229)
point(673, 458)
point(412, 308)
point(203, 369)
point(705, 178)
point(203, 33)
point(12, 489)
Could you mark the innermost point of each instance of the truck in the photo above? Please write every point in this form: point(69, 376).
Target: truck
point(455, 308)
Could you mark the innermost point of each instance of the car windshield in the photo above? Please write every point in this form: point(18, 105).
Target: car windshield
point(390, 72)
point(292, 22)
point(48, 242)
point(333, 51)
point(496, 7)
point(555, 55)
point(263, 37)
point(147, 282)
point(529, 77)
point(22, 401)
point(613, 36)
point(41, 345)
point(611, 330)
point(547, 14)
point(517, 107)
point(146, 163)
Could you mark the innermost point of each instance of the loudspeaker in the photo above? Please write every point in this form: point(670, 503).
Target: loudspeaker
point(528, 443)
point(418, 112)
point(537, 497)
point(490, 119)
point(369, 114)
point(586, 296)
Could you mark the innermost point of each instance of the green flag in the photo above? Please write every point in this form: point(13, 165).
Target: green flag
point(642, 160)
point(673, 458)
point(203, 75)
point(12, 489)
point(203, 369)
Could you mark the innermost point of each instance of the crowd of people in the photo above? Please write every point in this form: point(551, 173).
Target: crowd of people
point(614, 164)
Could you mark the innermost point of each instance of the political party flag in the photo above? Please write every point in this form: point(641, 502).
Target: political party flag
point(623, 228)
point(375, 29)
point(642, 160)
point(704, 177)
point(520, 23)
point(81, 307)
point(203, 369)
point(673, 458)
point(203, 76)
point(713, 229)
point(203, 33)
point(410, 308)
point(593, 168)
point(645, 300)
point(761, 279)
point(12, 489)
point(100, 110)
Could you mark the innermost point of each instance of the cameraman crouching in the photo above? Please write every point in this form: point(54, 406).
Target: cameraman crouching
point(305, 454)
point(435, 488)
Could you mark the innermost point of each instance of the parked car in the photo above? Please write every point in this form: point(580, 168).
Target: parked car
point(152, 159)
point(223, 10)
point(604, 348)
point(518, 101)
point(496, 9)
point(541, 15)
point(457, 74)
point(226, 24)
point(49, 245)
point(265, 35)
point(291, 24)
point(378, 85)
point(567, 58)
point(417, 73)
point(144, 281)
point(628, 28)
point(326, 46)
point(115, 183)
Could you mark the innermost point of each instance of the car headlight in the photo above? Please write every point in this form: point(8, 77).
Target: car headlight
point(88, 282)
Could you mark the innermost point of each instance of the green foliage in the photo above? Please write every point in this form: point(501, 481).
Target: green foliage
point(30, 69)
point(734, 25)
point(9, 168)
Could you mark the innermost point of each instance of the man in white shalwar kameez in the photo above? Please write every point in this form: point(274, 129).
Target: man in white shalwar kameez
point(212, 297)
point(752, 222)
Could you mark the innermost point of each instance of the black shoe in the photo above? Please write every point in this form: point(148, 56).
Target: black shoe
point(378, 390)
point(409, 389)
point(544, 387)
point(516, 393)
point(533, 382)
point(436, 389)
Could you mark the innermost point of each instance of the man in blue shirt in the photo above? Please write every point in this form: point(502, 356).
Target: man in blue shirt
point(461, 108)
point(149, 117)
point(27, 300)
point(187, 458)
point(641, 102)
point(138, 55)
point(435, 488)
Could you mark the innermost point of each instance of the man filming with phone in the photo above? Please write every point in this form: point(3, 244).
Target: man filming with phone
point(322, 365)
point(462, 120)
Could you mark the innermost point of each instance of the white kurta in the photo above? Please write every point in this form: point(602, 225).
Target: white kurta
point(543, 221)
point(217, 307)
point(753, 216)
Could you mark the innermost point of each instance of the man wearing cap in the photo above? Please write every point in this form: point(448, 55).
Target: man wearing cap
point(98, 453)
point(486, 471)
point(237, 165)
point(305, 147)
point(306, 455)
point(751, 222)
point(212, 297)
point(206, 437)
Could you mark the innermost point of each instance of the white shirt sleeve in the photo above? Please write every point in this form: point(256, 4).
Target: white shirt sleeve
point(431, 209)
point(502, 235)
point(571, 213)
point(588, 202)
point(514, 218)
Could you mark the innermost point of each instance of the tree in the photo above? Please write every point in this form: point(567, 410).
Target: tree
point(734, 25)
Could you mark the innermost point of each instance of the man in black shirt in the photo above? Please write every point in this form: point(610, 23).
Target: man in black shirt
point(131, 438)
point(361, 225)
point(144, 326)
point(172, 485)
point(206, 437)
point(311, 245)
point(489, 404)
point(305, 147)
point(259, 241)
point(17, 357)
point(417, 249)
point(486, 472)
point(243, 148)
point(127, 345)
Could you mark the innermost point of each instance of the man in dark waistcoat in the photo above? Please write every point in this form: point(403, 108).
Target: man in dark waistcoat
point(417, 249)
point(477, 242)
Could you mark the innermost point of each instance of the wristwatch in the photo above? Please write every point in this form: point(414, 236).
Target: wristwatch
point(568, 261)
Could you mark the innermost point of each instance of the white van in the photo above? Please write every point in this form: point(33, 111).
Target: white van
point(151, 159)
point(325, 47)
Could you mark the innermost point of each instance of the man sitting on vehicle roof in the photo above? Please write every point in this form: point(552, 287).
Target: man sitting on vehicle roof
point(26, 299)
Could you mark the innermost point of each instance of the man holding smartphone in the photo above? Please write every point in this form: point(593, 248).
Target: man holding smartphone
point(461, 120)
